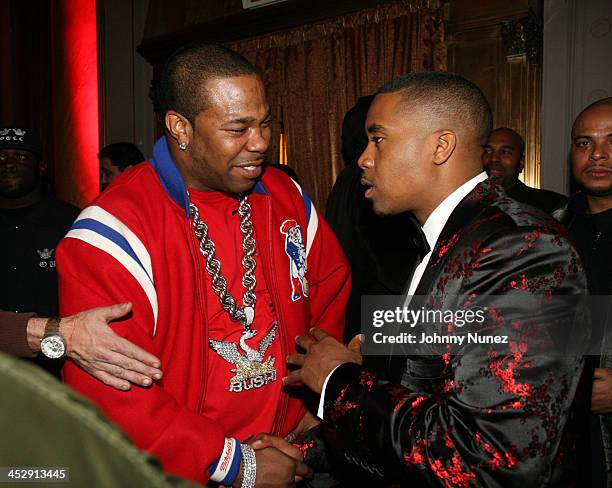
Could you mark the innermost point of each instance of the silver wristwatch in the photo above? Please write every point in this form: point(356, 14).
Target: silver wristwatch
point(53, 344)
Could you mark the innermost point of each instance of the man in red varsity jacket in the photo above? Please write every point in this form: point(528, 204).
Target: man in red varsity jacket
point(225, 264)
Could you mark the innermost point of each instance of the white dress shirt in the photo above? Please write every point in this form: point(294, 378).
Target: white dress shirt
point(432, 229)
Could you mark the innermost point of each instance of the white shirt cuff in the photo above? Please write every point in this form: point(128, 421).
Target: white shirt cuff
point(322, 399)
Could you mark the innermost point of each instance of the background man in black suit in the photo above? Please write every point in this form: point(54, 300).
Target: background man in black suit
point(504, 160)
point(479, 416)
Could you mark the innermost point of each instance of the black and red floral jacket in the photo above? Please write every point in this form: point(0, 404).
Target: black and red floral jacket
point(509, 416)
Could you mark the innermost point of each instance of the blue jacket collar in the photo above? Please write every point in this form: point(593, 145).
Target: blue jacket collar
point(171, 179)
point(169, 175)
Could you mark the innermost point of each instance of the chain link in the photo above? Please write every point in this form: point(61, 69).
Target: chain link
point(213, 265)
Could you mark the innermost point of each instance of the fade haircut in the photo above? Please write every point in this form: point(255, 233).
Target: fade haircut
point(448, 97)
point(180, 85)
point(602, 102)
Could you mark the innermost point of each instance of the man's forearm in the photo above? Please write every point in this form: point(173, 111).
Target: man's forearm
point(13, 335)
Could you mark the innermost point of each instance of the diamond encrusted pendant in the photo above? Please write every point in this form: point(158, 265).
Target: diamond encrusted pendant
point(251, 369)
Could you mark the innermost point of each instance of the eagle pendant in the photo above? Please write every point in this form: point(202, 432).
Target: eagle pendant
point(251, 370)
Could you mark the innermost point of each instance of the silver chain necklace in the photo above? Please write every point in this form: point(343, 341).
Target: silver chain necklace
point(246, 313)
point(251, 370)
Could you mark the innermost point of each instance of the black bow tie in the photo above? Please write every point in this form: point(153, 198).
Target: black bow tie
point(419, 241)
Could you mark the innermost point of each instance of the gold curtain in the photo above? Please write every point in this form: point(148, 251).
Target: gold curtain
point(315, 73)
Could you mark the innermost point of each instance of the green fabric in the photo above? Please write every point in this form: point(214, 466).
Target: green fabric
point(45, 424)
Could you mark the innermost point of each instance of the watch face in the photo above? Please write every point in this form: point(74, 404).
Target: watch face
point(53, 347)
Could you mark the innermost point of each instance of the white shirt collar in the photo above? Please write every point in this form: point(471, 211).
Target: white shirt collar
point(437, 219)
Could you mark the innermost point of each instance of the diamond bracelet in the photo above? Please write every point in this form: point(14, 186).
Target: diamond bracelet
point(249, 466)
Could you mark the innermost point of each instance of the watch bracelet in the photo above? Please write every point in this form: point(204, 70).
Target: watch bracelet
point(52, 326)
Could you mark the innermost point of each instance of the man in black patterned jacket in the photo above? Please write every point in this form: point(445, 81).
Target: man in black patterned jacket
point(478, 415)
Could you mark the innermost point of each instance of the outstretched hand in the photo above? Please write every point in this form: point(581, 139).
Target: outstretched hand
point(323, 355)
point(96, 348)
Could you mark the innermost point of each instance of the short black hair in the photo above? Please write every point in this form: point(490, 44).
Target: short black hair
point(602, 102)
point(520, 137)
point(122, 154)
point(447, 96)
point(180, 84)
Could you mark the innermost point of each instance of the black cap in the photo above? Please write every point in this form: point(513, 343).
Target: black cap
point(20, 138)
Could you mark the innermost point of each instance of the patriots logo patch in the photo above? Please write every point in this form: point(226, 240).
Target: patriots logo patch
point(296, 251)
